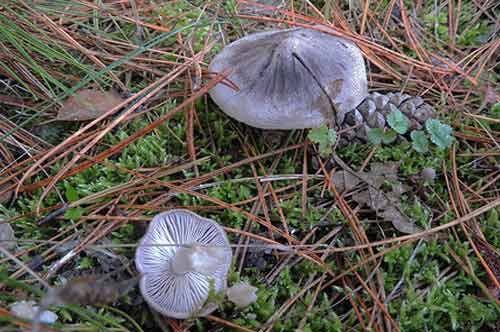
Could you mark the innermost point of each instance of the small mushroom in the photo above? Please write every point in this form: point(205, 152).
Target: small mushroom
point(181, 258)
point(428, 174)
point(289, 79)
point(242, 294)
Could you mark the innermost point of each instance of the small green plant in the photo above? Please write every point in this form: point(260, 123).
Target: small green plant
point(495, 110)
point(380, 136)
point(398, 121)
point(438, 132)
point(420, 143)
point(213, 295)
point(325, 137)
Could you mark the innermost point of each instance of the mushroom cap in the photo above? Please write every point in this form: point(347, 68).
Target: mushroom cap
point(289, 79)
point(180, 295)
point(242, 294)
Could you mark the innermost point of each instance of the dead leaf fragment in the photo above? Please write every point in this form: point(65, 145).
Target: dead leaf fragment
point(7, 237)
point(90, 290)
point(401, 222)
point(345, 181)
point(384, 203)
point(378, 199)
point(5, 193)
point(88, 104)
point(381, 172)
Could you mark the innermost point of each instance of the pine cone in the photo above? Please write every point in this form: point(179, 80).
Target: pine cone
point(373, 112)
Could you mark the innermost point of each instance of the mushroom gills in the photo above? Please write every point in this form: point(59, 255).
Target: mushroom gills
point(181, 258)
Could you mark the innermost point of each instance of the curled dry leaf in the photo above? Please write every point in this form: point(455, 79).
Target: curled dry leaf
point(88, 104)
point(491, 96)
point(89, 290)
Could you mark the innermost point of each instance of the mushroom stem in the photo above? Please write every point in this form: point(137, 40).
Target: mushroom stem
point(196, 258)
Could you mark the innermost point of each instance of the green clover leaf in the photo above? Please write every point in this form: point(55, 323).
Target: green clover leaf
point(440, 133)
point(398, 121)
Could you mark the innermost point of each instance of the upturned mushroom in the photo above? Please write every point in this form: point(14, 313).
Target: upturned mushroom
point(182, 257)
point(290, 79)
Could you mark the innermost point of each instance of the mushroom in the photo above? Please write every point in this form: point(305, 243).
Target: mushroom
point(242, 294)
point(182, 257)
point(289, 79)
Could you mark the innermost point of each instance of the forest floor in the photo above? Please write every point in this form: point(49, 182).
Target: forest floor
point(77, 187)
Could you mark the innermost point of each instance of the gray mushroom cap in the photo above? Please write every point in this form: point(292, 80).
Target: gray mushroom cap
point(290, 79)
point(176, 280)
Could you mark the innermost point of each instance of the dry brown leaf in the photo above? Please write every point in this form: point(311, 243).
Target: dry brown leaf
point(398, 189)
point(362, 198)
point(378, 200)
point(6, 195)
point(381, 172)
point(89, 290)
point(385, 204)
point(345, 181)
point(88, 104)
point(401, 222)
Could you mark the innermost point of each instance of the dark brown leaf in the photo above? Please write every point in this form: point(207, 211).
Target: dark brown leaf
point(5, 194)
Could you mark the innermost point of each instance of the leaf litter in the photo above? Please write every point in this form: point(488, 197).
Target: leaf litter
point(88, 104)
point(88, 290)
point(7, 236)
point(384, 202)
point(6, 194)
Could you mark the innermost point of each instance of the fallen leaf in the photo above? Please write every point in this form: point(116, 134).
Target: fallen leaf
point(88, 104)
point(398, 189)
point(389, 170)
point(362, 198)
point(380, 173)
point(490, 95)
point(5, 194)
point(7, 234)
point(383, 203)
point(378, 200)
point(345, 181)
point(400, 221)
